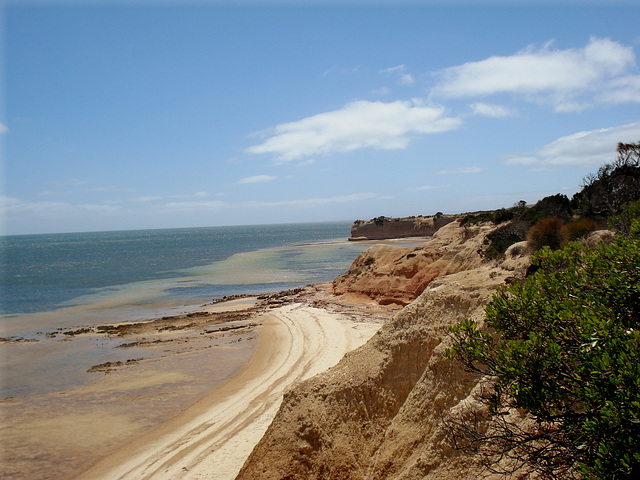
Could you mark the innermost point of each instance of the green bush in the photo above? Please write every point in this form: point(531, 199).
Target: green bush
point(503, 215)
point(614, 184)
point(563, 346)
point(623, 221)
point(505, 236)
point(475, 218)
point(552, 206)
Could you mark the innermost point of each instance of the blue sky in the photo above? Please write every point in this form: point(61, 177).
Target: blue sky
point(127, 115)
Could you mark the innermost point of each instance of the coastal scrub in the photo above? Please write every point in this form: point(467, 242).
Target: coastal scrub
point(563, 348)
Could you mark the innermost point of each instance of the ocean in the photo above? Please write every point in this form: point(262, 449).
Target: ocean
point(69, 280)
point(55, 414)
point(139, 270)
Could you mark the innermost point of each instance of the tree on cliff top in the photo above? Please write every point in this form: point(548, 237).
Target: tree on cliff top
point(562, 347)
point(615, 184)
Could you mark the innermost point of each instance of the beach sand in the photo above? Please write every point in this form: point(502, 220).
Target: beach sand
point(224, 369)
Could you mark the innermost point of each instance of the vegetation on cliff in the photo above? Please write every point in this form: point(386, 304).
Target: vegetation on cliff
point(603, 195)
point(562, 347)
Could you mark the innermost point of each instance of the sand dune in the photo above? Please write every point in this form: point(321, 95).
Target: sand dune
point(212, 439)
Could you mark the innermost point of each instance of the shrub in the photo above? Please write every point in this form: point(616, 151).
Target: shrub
point(552, 206)
point(615, 184)
point(475, 218)
point(580, 228)
point(562, 346)
point(623, 221)
point(548, 232)
point(505, 236)
point(503, 215)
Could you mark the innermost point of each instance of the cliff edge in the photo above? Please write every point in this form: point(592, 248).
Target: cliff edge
point(383, 228)
point(378, 413)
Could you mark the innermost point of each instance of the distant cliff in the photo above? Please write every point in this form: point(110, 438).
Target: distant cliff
point(382, 228)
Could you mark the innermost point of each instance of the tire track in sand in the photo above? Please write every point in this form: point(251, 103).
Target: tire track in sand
point(213, 438)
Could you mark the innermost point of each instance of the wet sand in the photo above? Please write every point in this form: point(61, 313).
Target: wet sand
point(141, 375)
point(196, 401)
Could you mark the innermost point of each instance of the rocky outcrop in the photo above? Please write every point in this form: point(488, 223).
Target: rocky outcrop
point(383, 228)
point(378, 413)
point(390, 274)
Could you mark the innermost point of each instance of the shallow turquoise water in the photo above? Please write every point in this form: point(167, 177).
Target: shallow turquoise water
point(45, 272)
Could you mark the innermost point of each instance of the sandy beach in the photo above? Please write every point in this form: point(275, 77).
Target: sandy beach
point(124, 425)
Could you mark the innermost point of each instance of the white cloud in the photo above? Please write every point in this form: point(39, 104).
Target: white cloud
point(427, 187)
point(381, 91)
point(106, 188)
point(490, 110)
point(253, 204)
point(3, 128)
point(14, 206)
point(359, 124)
point(47, 193)
point(541, 73)
point(341, 70)
point(70, 182)
point(622, 90)
point(461, 171)
point(6, 202)
point(306, 163)
point(191, 195)
point(195, 205)
point(586, 149)
point(404, 79)
point(522, 160)
point(98, 208)
point(316, 202)
point(257, 179)
point(146, 198)
point(396, 69)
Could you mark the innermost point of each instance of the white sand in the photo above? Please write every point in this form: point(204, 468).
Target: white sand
point(213, 438)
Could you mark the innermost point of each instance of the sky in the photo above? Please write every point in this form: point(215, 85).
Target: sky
point(158, 114)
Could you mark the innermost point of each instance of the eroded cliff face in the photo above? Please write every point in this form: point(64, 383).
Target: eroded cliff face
point(399, 275)
point(384, 227)
point(378, 413)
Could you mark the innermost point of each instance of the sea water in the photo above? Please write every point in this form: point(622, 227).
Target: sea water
point(49, 282)
point(149, 268)
point(74, 280)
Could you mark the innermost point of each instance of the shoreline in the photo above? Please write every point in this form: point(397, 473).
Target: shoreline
point(259, 331)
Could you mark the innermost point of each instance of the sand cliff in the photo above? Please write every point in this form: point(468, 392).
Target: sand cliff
point(382, 228)
point(378, 413)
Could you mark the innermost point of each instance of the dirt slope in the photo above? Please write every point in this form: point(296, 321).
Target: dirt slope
point(377, 414)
